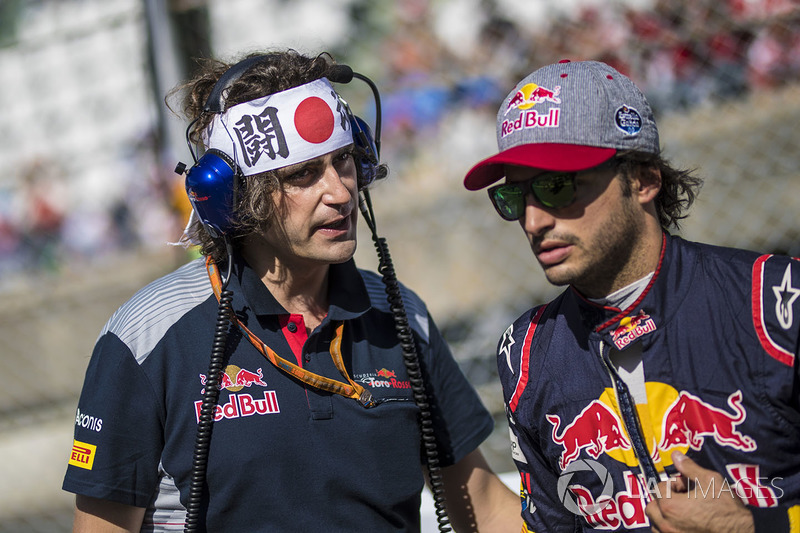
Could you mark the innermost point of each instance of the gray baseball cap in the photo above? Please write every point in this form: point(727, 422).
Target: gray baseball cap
point(568, 116)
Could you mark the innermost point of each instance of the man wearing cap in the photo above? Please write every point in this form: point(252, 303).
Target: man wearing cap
point(660, 390)
point(315, 427)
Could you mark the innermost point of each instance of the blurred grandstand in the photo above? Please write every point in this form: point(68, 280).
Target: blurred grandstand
point(88, 201)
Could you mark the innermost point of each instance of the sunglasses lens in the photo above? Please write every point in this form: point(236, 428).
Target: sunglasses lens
point(509, 200)
point(556, 190)
point(553, 190)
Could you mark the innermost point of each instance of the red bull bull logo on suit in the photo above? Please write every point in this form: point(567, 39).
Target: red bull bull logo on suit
point(671, 420)
point(596, 429)
point(689, 420)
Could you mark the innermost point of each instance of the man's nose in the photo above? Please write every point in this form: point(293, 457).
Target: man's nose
point(536, 220)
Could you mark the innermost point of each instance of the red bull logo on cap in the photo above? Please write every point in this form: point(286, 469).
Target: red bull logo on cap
point(531, 94)
point(531, 119)
point(524, 99)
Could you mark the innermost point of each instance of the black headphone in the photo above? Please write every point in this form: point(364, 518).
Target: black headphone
point(213, 179)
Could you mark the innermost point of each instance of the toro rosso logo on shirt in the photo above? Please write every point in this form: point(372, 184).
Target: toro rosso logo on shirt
point(383, 378)
point(234, 379)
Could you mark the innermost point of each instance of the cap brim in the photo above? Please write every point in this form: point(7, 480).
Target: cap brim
point(546, 156)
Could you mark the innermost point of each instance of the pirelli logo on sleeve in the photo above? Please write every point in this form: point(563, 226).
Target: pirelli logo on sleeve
point(82, 455)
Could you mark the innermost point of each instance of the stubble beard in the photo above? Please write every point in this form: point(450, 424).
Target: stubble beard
point(604, 264)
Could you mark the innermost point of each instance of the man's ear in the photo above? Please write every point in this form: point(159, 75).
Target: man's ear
point(647, 183)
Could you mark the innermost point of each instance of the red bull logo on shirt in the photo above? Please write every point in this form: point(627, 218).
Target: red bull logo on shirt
point(234, 379)
point(631, 328)
point(386, 373)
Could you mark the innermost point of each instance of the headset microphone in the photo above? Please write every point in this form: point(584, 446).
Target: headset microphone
point(340, 74)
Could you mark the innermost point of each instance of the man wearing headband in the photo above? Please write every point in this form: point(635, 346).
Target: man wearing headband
point(316, 425)
point(660, 390)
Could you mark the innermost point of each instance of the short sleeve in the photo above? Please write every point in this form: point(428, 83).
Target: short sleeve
point(118, 435)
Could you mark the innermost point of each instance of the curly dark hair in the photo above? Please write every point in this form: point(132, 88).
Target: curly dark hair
point(277, 71)
point(679, 188)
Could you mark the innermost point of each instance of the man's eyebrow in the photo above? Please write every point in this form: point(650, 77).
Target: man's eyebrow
point(291, 169)
point(343, 150)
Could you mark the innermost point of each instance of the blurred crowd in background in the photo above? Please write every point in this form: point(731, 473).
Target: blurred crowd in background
point(683, 53)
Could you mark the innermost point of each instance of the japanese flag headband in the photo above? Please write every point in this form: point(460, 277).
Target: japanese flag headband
point(282, 129)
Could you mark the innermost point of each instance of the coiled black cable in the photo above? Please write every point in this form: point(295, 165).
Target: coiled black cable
point(344, 74)
point(210, 398)
point(411, 361)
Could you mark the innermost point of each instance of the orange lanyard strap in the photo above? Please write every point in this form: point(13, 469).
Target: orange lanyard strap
point(351, 389)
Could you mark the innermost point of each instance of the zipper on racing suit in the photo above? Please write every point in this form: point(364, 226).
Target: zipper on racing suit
point(630, 419)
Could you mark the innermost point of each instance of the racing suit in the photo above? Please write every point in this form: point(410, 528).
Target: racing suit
point(719, 341)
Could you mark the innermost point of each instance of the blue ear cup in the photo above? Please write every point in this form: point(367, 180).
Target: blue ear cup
point(362, 138)
point(210, 184)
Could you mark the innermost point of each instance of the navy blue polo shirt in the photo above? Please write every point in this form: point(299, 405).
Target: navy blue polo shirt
point(284, 456)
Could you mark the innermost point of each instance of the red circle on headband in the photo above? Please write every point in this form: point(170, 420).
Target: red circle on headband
point(314, 120)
